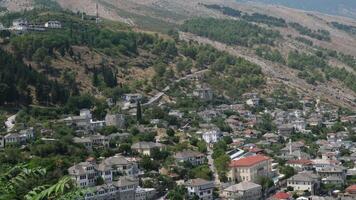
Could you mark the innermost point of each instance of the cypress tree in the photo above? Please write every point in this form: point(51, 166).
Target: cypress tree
point(138, 112)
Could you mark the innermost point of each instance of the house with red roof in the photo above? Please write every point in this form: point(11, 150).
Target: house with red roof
point(281, 196)
point(351, 190)
point(250, 168)
point(300, 164)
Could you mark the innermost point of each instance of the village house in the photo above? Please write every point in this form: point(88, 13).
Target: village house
point(281, 196)
point(243, 191)
point(124, 189)
point(53, 24)
point(93, 141)
point(235, 123)
point(117, 120)
point(249, 168)
point(271, 137)
point(193, 157)
point(20, 137)
point(351, 191)
point(300, 164)
point(20, 25)
point(132, 98)
point(145, 193)
point(204, 93)
point(146, 148)
point(253, 102)
point(201, 188)
point(85, 141)
point(335, 174)
point(122, 165)
point(212, 136)
point(285, 130)
point(86, 173)
point(305, 181)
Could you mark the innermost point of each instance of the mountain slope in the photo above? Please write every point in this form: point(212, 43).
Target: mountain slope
point(345, 8)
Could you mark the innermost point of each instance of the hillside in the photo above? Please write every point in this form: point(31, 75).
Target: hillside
point(331, 38)
point(341, 7)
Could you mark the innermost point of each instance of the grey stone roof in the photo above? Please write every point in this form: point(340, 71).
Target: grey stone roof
point(187, 154)
point(304, 176)
point(243, 186)
point(116, 160)
point(198, 182)
point(146, 145)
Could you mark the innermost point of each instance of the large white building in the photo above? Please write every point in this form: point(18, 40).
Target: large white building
point(250, 168)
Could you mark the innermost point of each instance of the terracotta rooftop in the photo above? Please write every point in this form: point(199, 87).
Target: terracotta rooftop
point(248, 161)
point(300, 161)
point(281, 195)
point(351, 189)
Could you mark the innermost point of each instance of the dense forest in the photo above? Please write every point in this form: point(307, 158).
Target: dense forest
point(234, 32)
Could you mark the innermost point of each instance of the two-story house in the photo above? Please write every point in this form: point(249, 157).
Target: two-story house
point(193, 157)
point(146, 148)
point(243, 191)
point(305, 181)
point(201, 188)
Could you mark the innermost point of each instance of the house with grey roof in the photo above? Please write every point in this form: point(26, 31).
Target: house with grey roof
point(305, 181)
point(93, 141)
point(193, 157)
point(20, 137)
point(125, 188)
point(85, 174)
point(201, 188)
point(146, 148)
point(243, 191)
point(121, 166)
point(117, 120)
point(332, 173)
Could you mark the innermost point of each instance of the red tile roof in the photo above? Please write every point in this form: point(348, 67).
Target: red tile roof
point(248, 161)
point(300, 162)
point(351, 189)
point(281, 195)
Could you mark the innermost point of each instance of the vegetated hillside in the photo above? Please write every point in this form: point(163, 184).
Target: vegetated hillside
point(83, 57)
point(340, 7)
point(280, 31)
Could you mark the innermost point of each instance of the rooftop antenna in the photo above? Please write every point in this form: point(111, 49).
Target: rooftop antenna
point(97, 13)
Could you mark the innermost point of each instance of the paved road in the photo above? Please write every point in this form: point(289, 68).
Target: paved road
point(212, 167)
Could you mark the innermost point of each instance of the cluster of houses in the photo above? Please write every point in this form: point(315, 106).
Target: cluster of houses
point(113, 178)
point(252, 152)
point(23, 25)
point(17, 138)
